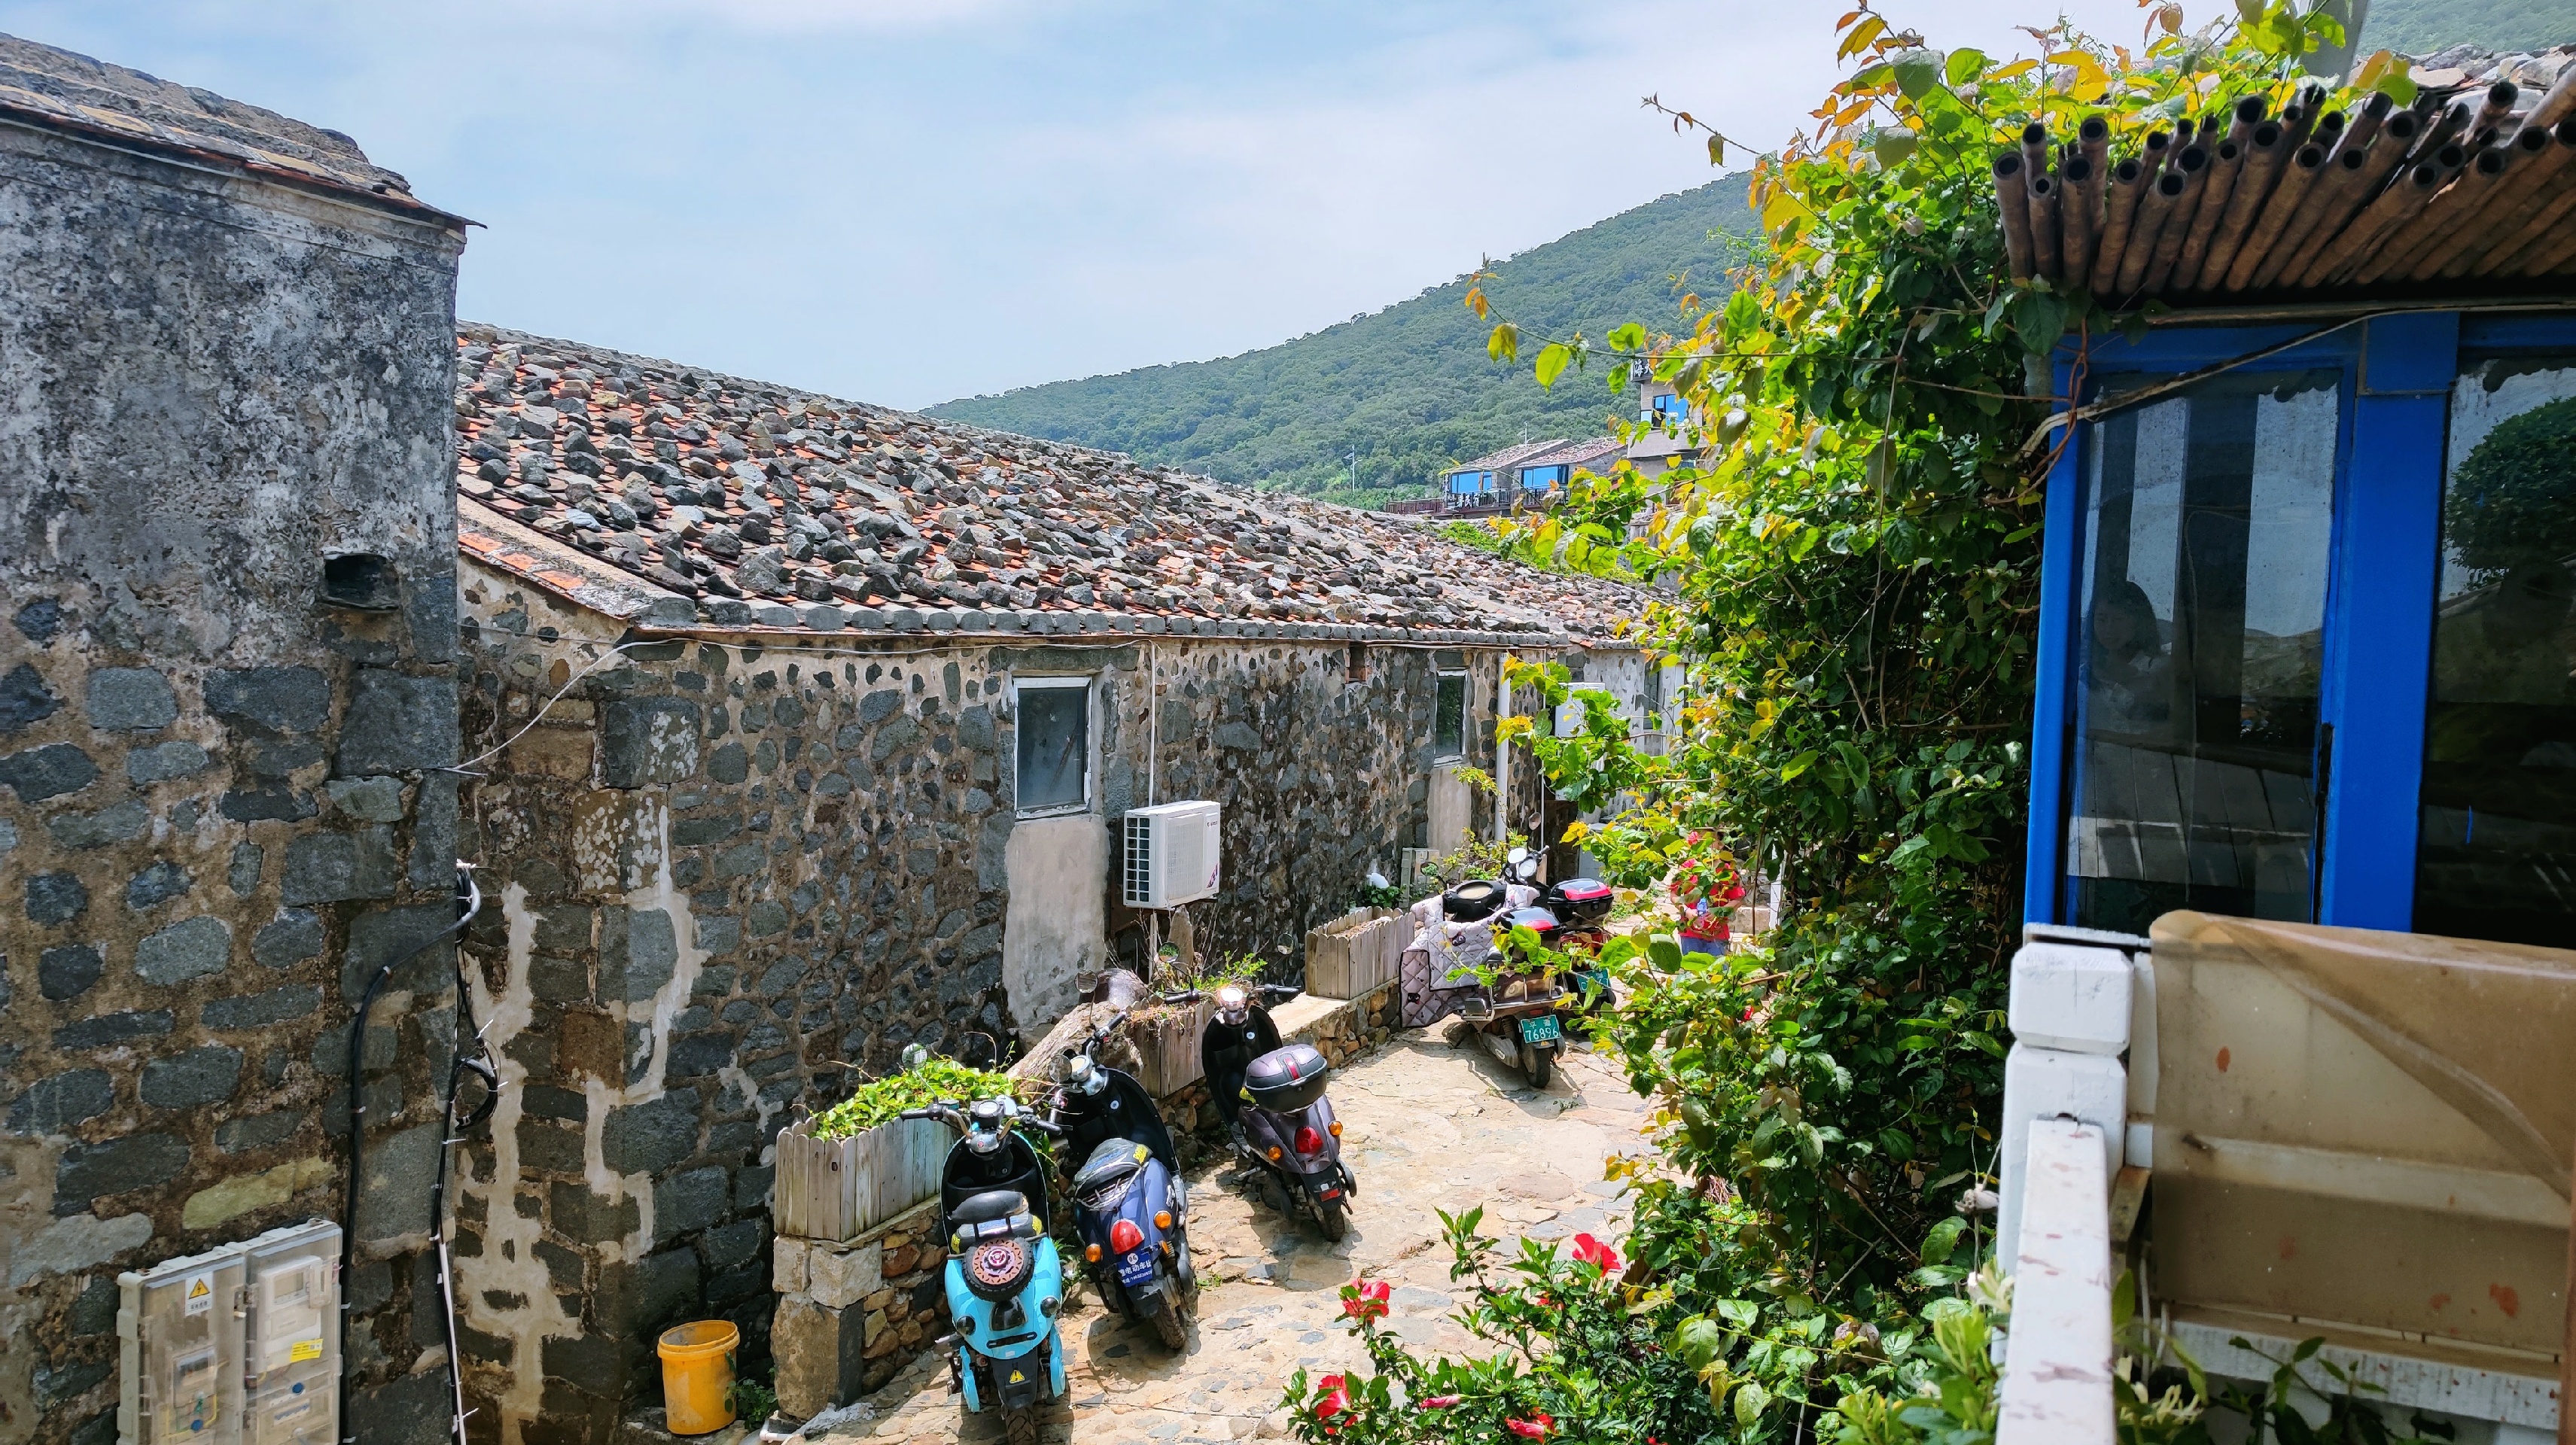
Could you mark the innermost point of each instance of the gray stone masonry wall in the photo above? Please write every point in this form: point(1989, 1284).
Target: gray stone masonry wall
point(220, 799)
point(725, 875)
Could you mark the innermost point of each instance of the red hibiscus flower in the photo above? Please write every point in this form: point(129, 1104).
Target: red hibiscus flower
point(1588, 1250)
point(1533, 1428)
point(1365, 1299)
point(1438, 1402)
point(1335, 1400)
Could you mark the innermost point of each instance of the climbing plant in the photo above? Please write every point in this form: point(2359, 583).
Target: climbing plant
point(1851, 562)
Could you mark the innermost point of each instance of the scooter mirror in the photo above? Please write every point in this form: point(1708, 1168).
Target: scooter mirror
point(1517, 856)
point(914, 1056)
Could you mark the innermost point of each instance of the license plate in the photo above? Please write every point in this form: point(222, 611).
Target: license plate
point(1592, 980)
point(1539, 1030)
point(1136, 1268)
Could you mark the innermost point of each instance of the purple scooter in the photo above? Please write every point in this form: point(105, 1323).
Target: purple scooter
point(1272, 1099)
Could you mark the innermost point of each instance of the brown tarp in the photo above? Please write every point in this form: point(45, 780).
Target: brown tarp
point(2364, 1127)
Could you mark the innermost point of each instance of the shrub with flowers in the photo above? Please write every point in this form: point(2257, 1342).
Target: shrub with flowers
point(1848, 572)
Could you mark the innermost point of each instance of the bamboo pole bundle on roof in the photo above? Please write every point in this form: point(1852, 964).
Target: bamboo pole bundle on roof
point(2375, 168)
point(2455, 203)
point(2195, 163)
point(2297, 178)
point(2558, 104)
point(2551, 184)
point(2257, 173)
point(2525, 156)
point(2391, 209)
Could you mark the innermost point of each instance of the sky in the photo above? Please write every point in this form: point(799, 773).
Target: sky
point(906, 201)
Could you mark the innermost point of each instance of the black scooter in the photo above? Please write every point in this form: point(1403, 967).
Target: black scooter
point(1130, 1206)
point(1272, 1100)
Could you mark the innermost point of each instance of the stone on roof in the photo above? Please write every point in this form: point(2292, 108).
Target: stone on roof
point(1518, 454)
point(742, 504)
point(65, 90)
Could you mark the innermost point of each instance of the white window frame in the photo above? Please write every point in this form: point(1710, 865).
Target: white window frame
point(1466, 711)
point(1090, 743)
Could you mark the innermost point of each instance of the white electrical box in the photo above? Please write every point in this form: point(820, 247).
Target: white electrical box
point(1171, 855)
point(236, 1346)
point(291, 1340)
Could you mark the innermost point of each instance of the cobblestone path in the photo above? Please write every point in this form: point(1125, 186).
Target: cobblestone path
point(1428, 1126)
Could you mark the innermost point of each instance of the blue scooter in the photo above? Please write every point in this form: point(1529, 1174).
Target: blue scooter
point(1129, 1204)
point(1005, 1282)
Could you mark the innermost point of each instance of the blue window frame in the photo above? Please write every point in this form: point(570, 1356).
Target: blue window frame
point(1667, 409)
point(2233, 676)
point(1539, 479)
point(1470, 483)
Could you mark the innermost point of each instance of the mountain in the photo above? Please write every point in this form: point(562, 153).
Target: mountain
point(1410, 386)
point(2420, 27)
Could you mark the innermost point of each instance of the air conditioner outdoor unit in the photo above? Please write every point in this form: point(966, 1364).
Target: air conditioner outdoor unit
point(1171, 855)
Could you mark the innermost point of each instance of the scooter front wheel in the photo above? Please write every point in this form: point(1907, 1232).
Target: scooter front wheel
point(1334, 1217)
point(1167, 1324)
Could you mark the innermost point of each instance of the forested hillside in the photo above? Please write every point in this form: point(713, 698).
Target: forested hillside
point(2419, 27)
point(1409, 386)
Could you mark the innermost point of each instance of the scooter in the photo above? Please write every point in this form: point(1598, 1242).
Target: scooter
point(1130, 1206)
point(1272, 1099)
point(1570, 917)
point(1005, 1283)
point(1515, 1018)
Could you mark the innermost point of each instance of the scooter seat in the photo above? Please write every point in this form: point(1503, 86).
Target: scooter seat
point(990, 1205)
point(1114, 1160)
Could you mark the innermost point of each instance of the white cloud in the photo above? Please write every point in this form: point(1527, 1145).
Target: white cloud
point(906, 200)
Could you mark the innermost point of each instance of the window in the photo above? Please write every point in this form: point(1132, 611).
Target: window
point(2496, 850)
point(1665, 410)
point(1471, 483)
point(2207, 541)
point(1539, 479)
point(1054, 774)
point(1449, 717)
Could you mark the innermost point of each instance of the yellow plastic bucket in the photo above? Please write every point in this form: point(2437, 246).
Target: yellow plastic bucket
point(697, 1376)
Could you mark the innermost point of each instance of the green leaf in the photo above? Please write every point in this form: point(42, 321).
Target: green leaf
point(1918, 72)
point(1628, 337)
point(1893, 148)
point(1964, 66)
point(1943, 1239)
point(1505, 343)
point(1552, 361)
point(1749, 1401)
point(1699, 1341)
point(1797, 765)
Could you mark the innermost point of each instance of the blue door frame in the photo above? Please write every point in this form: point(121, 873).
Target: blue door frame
point(2398, 374)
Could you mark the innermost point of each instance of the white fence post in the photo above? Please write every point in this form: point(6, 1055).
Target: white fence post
point(2057, 1360)
point(2070, 1021)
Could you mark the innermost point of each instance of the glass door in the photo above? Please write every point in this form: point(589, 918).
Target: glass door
point(2208, 542)
point(2496, 850)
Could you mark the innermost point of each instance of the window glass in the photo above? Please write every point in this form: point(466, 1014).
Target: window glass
point(1449, 717)
point(1054, 746)
point(2496, 854)
point(2207, 538)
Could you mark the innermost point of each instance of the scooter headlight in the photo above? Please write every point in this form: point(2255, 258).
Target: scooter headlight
point(1232, 1004)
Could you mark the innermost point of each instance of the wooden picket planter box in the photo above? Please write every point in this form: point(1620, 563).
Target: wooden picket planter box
point(1167, 1047)
point(837, 1189)
point(1356, 954)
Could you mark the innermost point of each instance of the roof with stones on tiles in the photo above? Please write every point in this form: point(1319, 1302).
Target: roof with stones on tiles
point(68, 91)
point(676, 496)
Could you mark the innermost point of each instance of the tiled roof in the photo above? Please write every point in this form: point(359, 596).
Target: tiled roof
point(1583, 453)
point(1509, 457)
point(67, 91)
point(742, 504)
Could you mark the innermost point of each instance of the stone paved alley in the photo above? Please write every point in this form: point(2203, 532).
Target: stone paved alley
point(1429, 1127)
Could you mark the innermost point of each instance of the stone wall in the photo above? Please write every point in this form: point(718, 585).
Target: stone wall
point(221, 803)
point(725, 874)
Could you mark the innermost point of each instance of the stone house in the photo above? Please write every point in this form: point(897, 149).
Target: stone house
point(227, 697)
point(798, 731)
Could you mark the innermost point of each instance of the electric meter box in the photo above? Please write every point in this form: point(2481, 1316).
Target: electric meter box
point(1171, 854)
point(236, 1346)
